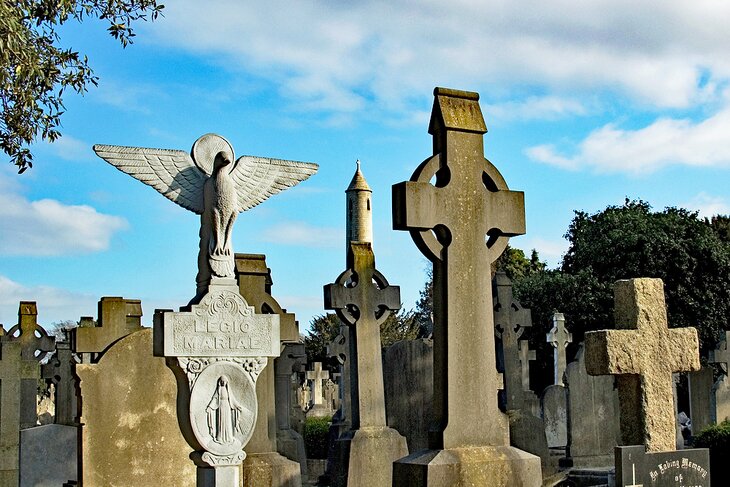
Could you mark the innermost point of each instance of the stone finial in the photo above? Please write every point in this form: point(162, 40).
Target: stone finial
point(559, 337)
point(642, 352)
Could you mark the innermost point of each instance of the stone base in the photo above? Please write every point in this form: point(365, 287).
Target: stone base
point(223, 476)
point(319, 411)
point(291, 444)
point(495, 466)
point(595, 461)
point(364, 457)
point(270, 470)
point(527, 433)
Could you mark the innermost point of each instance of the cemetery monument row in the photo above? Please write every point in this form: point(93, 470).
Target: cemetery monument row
point(217, 341)
point(462, 224)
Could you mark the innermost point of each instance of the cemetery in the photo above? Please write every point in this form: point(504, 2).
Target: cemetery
point(221, 392)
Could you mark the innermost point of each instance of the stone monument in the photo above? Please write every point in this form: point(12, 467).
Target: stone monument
point(559, 337)
point(217, 345)
point(316, 377)
point(721, 388)
point(462, 224)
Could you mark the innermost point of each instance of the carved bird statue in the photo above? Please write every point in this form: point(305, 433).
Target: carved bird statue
point(206, 181)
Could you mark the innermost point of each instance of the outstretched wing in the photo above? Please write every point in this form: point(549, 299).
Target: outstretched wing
point(171, 172)
point(257, 178)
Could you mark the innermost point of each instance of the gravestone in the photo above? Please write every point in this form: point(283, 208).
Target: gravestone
point(559, 337)
point(48, 455)
point(461, 223)
point(526, 356)
point(316, 377)
point(636, 467)
point(593, 416)
point(339, 350)
point(130, 433)
point(60, 371)
point(721, 388)
point(700, 384)
point(264, 466)
point(14, 371)
point(363, 299)
point(118, 317)
point(555, 415)
point(408, 377)
point(289, 441)
point(642, 352)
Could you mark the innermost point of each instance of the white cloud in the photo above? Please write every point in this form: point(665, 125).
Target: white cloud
point(48, 227)
point(665, 142)
point(54, 304)
point(536, 107)
point(70, 148)
point(341, 56)
point(708, 205)
point(304, 235)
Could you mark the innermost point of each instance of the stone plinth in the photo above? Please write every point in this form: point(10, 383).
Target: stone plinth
point(643, 353)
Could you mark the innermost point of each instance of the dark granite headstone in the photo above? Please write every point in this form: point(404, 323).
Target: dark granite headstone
point(684, 468)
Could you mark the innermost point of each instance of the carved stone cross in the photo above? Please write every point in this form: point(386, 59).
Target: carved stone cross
point(363, 299)
point(60, 369)
point(510, 322)
point(339, 349)
point(721, 355)
point(642, 352)
point(317, 376)
point(31, 336)
point(559, 337)
point(526, 356)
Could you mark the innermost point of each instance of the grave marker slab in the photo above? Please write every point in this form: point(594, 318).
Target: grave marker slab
point(701, 401)
point(559, 337)
point(462, 224)
point(685, 468)
point(643, 353)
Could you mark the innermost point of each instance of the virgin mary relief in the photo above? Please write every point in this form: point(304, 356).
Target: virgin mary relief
point(226, 416)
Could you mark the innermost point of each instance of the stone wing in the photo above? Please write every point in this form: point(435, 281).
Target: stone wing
point(257, 178)
point(171, 172)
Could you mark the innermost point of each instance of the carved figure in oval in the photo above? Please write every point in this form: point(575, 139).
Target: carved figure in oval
point(225, 414)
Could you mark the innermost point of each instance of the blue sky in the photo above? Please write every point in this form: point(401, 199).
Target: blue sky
point(586, 103)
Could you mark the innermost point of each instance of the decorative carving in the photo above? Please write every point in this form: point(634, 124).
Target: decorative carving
point(220, 461)
point(224, 413)
point(207, 182)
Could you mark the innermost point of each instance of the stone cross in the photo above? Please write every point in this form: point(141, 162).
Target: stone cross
point(461, 224)
point(642, 352)
point(60, 369)
point(721, 355)
point(14, 371)
point(118, 317)
point(317, 376)
point(526, 356)
point(510, 322)
point(339, 349)
point(363, 300)
point(559, 337)
point(32, 337)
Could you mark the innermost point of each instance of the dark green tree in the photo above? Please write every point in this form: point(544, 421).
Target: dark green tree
point(36, 71)
point(322, 330)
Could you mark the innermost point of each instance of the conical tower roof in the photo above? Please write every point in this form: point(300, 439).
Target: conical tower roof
point(358, 182)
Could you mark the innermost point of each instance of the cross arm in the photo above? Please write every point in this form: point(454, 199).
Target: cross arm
point(613, 352)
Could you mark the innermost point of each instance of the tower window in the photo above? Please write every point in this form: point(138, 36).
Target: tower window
point(368, 204)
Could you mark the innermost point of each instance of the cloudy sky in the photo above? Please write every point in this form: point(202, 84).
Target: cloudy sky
point(587, 103)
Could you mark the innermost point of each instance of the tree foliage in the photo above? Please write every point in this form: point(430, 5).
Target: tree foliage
point(36, 71)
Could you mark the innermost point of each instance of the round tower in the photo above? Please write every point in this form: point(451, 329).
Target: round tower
point(359, 214)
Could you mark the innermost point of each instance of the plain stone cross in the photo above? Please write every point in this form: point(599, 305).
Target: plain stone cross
point(510, 322)
point(14, 370)
point(317, 376)
point(642, 352)
point(460, 223)
point(526, 356)
point(31, 336)
point(363, 299)
point(559, 337)
point(721, 355)
point(118, 317)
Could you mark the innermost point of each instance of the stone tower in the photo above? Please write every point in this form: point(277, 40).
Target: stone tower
point(359, 215)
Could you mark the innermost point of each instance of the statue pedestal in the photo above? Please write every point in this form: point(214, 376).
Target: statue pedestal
point(364, 457)
point(270, 470)
point(495, 466)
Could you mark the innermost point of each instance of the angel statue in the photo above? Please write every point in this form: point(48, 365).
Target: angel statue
point(209, 183)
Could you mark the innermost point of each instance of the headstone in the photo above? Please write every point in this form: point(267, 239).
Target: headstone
point(339, 350)
point(60, 371)
point(700, 398)
point(642, 352)
point(288, 441)
point(316, 378)
point(118, 317)
point(510, 322)
point(593, 416)
point(408, 376)
point(363, 300)
point(48, 455)
point(721, 388)
point(526, 356)
point(14, 371)
point(461, 223)
point(304, 396)
point(330, 394)
point(130, 434)
point(559, 337)
point(638, 468)
point(555, 415)
point(264, 466)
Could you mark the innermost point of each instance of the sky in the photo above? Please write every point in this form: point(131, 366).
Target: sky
point(587, 103)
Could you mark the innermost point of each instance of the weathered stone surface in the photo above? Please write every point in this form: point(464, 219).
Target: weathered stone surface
point(288, 441)
point(31, 336)
point(408, 375)
point(527, 432)
point(526, 356)
point(60, 371)
point(721, 388)
point(636, 468)
point(593, 412)
point(450, 221)
point(370, 446)
point(559, 337)
point(700, 398)
point(359, 212)
point(118, 317)
point(555, 415)
point(339, 350)
point(643, 352)
point(48, 455)
point(131, 434)
point(14, 371)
